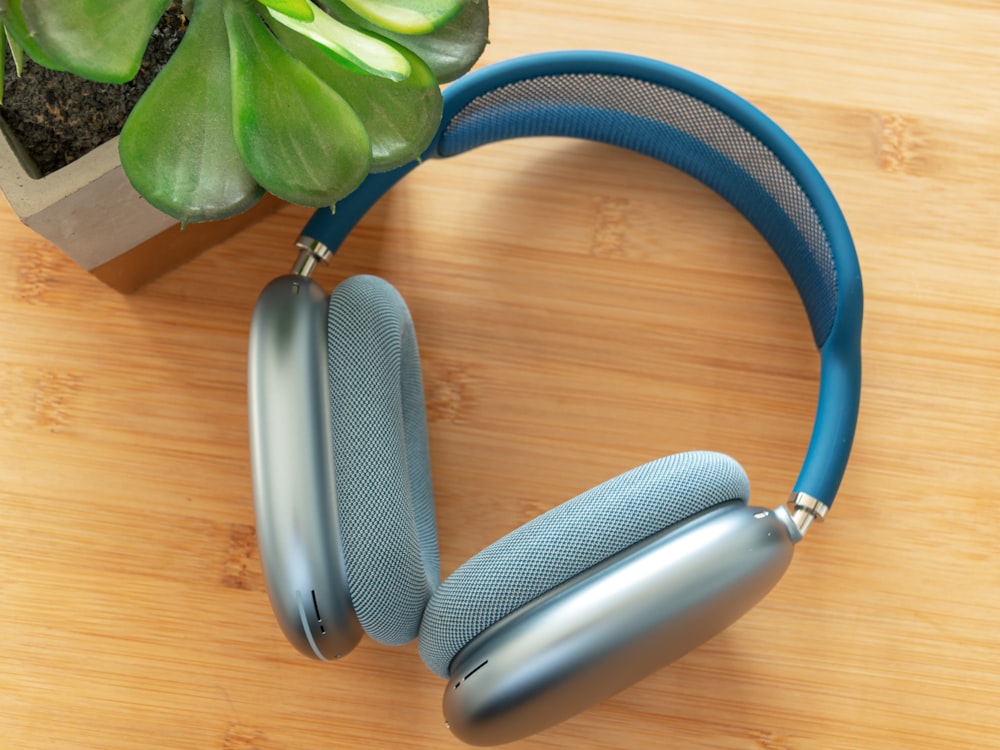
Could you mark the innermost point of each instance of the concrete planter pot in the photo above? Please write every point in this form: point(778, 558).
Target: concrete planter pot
point(90, 211)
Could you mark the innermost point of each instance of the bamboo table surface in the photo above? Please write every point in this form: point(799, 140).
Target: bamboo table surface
point(581, 310)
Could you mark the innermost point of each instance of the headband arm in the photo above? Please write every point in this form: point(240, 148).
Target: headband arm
point(716, 137)
point(329, 227)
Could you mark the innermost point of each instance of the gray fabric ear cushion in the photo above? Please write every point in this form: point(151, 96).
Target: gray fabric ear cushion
point(381, 458)
point(567, 540)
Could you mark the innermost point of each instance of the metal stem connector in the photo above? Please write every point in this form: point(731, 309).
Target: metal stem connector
point(311, 252)
point(806, 508)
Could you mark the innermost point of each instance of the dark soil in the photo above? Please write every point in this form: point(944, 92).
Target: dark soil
point(58, 117)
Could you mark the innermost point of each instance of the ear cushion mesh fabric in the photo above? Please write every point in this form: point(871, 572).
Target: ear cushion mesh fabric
point(381, 458)
point(567, 540)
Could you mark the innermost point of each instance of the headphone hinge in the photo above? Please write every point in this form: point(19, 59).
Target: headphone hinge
point(805, 509)
point(311, 252)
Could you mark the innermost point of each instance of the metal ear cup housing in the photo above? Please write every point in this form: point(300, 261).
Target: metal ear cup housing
point(616, 623)
point(298, 530)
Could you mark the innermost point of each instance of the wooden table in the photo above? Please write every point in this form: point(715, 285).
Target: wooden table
point(581, 311)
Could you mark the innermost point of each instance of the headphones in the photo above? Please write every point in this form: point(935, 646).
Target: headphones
point(608, 587)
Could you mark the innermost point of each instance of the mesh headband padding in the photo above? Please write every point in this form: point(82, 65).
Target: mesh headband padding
point(678, 129)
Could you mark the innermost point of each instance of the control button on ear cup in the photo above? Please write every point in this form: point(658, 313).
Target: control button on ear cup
point(381, 458)
point(568, 540)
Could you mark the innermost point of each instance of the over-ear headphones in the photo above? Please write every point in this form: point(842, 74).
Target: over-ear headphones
point(608, 587)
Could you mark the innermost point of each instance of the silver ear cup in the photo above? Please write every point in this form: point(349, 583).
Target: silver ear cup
point(569, 539)
point(298, 529)
point(615, 623)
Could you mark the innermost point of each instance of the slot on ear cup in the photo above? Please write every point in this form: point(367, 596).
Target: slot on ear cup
point(569, 539)
point(381, 458)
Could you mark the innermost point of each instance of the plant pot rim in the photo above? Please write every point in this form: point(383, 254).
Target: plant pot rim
point(28, 192)
point(88, 208)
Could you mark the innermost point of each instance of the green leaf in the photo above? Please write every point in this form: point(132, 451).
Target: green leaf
point(451, 51)
point(96, 39)
point(300, 10)
point(297, 136)
point(12, 16)
point(401, 118)
point(408, 16)
point(360, 50)
point(177, 147)
point(16, 52)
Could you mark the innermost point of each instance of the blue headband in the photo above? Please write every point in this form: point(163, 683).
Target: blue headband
point(713, 135)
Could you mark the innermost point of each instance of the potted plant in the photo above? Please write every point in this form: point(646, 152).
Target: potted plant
point(289, 99)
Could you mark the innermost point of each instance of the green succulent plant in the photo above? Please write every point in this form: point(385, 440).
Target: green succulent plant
point(290, 97)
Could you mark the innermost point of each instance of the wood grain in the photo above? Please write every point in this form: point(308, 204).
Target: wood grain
point(580, 311)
